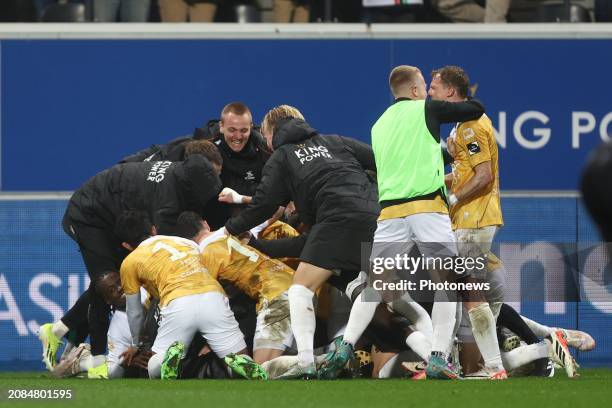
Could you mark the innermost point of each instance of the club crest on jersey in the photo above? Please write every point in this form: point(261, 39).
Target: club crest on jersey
point(158, 171)
point(473, 148)
point(249, 175)
point(306, 154)
point(468, 133)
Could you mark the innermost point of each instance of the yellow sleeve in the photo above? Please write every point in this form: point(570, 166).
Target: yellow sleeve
point(476, 138)
point(129, 276)
point(278, 230)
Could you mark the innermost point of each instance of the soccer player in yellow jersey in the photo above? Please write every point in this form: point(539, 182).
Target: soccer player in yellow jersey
point(263, 279)
point(191, 300)
point(474, 205)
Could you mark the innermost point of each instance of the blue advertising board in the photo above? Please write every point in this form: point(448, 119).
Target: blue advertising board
point(71, 108)
point(42, 275)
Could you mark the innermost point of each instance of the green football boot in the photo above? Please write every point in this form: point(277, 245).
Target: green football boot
point(172, 360)
point(245, 367)
point(50, 343)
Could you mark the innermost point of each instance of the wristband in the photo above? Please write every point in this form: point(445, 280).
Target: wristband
point(236, 197)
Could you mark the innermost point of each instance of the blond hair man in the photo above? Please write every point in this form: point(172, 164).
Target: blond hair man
point(324, 175)
point(410, 177)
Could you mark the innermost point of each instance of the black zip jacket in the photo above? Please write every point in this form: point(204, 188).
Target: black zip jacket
point(241, 171)
point(438, 112)
point(163, 189)
point(324, 175)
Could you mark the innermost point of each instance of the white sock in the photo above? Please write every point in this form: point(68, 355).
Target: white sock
point(91, 362)
point(154, 366)
point(303, 322)
point(414, 312)
point(419, 344)
point(483, 328)
point(538, 329)
point(443, 319)
point(387, 369)
point(59, 329)
point(361, 315)
point(524, 355)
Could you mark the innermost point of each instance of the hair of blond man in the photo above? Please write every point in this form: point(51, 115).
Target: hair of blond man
point(275, 114)
point(205, 148)
point(402, 77)
point(237, 108)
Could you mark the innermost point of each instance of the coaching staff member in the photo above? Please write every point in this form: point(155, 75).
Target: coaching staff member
point(324, 175)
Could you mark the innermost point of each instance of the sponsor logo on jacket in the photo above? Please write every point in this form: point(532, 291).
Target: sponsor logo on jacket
point(309, 153)
point(158, 171)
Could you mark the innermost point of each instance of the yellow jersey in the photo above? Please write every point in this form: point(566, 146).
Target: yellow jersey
point(168, 268)
point(476, 144)
point(435, 205)
point(278, 230)
point(251, 271)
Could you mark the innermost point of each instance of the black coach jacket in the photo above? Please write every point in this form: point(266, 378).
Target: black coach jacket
point(164, 189)
point(323, 174)
point(240, 171)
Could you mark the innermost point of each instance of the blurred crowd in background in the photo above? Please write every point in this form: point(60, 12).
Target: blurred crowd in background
point(304, 11)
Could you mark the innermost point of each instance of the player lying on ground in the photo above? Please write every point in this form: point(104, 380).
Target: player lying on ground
point(200, 361)
point(163, 189)
point(79, 360)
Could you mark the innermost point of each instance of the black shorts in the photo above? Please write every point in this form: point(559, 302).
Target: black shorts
point(336, 244)
point(100, 251)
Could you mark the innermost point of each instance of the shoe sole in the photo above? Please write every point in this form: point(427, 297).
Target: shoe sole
point(171, 363)
point(441, 375)
point(254, 372)
point(511, 343)
point(330, 372)
point(246, 369)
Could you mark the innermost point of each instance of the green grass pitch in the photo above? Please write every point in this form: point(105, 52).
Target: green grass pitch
point(593, 389)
